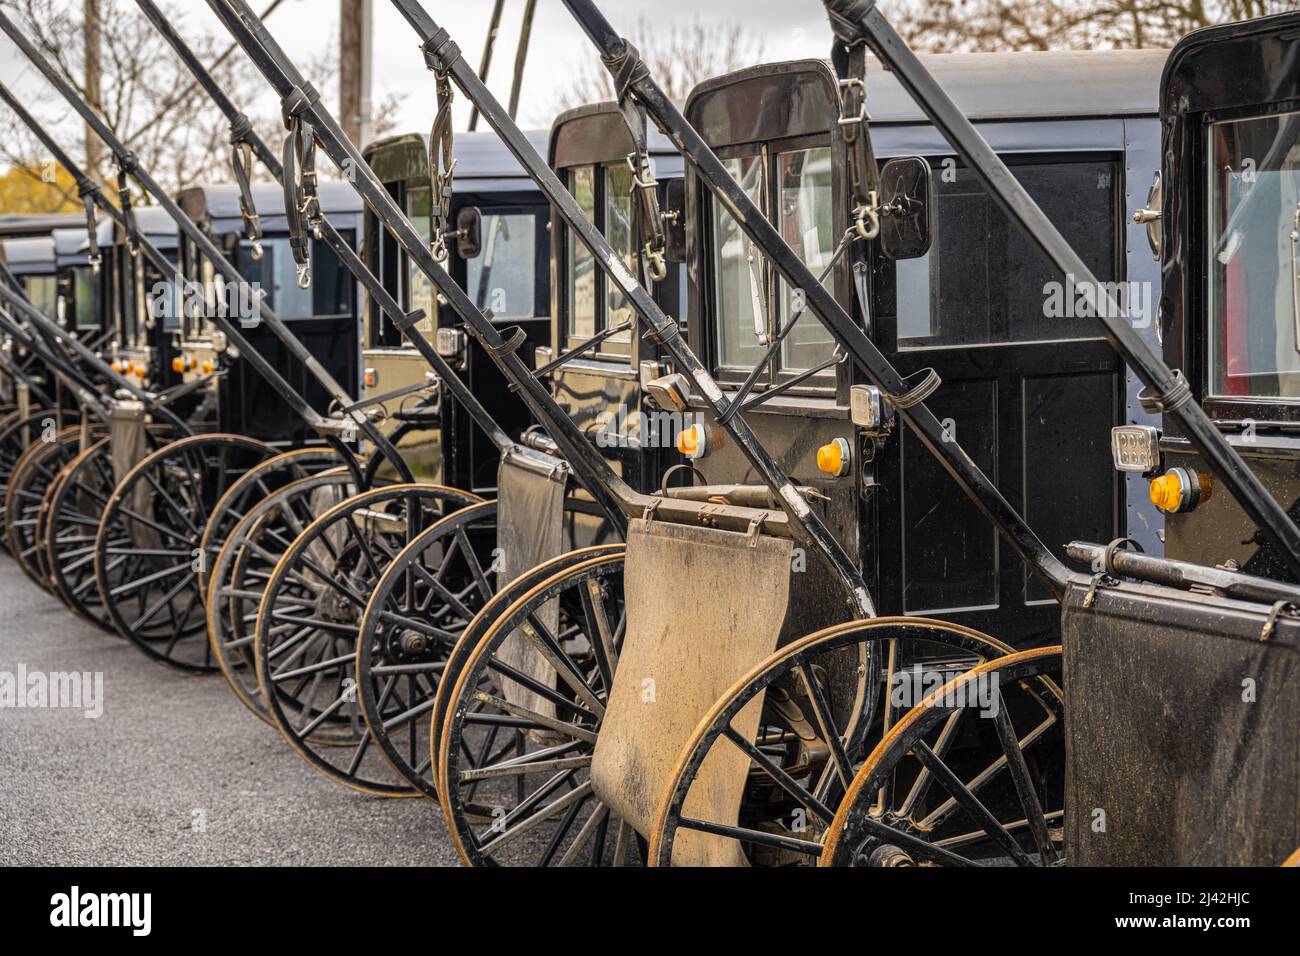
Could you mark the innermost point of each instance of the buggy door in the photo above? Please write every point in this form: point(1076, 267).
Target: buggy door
point(1030, 390)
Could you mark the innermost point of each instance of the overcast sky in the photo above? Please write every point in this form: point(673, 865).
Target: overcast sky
point(787, 29)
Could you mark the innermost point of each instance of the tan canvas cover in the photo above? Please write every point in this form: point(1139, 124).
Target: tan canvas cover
point(128, 446)
point(530, 530)
point(703, 607)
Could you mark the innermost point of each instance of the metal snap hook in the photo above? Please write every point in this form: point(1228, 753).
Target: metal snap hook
point(257, 250)
point(864, 213)
point(304, 276)
point(655, 264)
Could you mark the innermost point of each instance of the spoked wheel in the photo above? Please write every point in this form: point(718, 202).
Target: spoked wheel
point(522, 722)
point(760, 778)
point(972, 776)
point(72, 514)
point(238, 576)
point(260, 481)
point(308, 624)
point(34, 473)
point(483, 620)
point(17, 434)
point(147, 551)
point(417, 611)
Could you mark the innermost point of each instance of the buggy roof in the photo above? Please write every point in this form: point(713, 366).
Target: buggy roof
point(24, 225)
point(157, 225)
point(606, 138)
point(218, 203)
point(72, 246)
point(30, 255)
point(483, 163)
point(1034, 84)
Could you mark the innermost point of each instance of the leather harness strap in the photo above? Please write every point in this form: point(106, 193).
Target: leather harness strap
point(850, 61)
point(627, 68)
point(241, 164)
point(442, 170)
point(301, 202)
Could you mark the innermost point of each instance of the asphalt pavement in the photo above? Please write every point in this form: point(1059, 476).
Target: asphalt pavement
point(173, 772)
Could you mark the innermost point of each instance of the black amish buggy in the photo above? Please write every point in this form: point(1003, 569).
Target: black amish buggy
point(321, 314)
point(1181, 672)
point(1029, 389)
point(502, 263)
point(31, 260)
point(85, 281)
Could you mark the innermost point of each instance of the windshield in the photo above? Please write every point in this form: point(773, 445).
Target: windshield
point(501, 276)
point(1253, 259)
point(794, 189)
point(83, 298)
point(43, 292)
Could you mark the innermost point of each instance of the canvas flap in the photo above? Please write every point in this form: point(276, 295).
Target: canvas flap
point(703, 607)
point(530, 530)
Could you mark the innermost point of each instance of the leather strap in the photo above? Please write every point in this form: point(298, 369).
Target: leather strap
point(627, 68)
point(442, 170)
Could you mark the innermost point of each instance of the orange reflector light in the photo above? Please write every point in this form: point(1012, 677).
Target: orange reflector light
point(178, 365)
point(372, 378)
point(693, 442)
point(208, 366)
point(835, 458)
point(1180, 490)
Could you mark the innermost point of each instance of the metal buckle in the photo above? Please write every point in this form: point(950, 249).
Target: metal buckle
point(845, 85)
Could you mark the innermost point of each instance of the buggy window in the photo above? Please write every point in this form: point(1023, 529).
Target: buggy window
point(502, 277)
point(738, 268)
point(795, 189)
point(604, 194)
point(1253, 259)
point(84, 298)
point(619, 232)
point(581, 265)
point(330, 292)
point(807, 226)
point(984, 283)
point(43, 292)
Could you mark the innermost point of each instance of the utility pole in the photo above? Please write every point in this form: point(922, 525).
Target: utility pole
point(521, 56)
point(354, 69)
point(92, 38)
point(485, 64)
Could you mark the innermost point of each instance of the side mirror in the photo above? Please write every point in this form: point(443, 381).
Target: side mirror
point(675, 220)
point(1150, 215)
point(469, 232)
point(907, 204)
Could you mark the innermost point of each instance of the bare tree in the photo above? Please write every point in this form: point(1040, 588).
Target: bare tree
point(147, 96)
point(679, 56)
point(948, 26)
